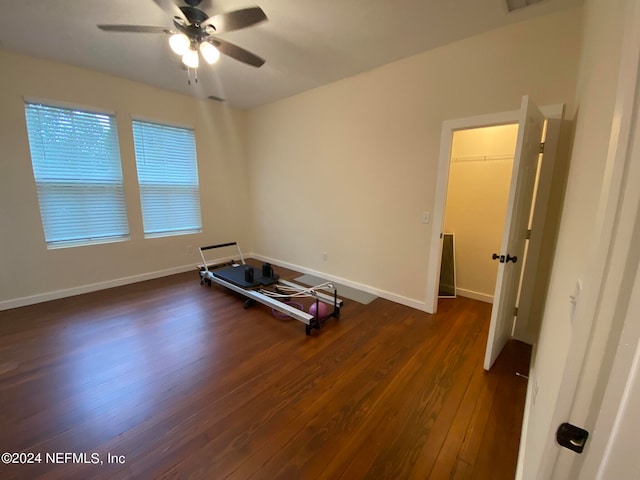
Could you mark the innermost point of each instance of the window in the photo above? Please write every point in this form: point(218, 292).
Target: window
point(168, 179)
point(76, 166)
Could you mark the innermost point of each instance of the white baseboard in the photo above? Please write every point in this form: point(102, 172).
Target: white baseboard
point(483, 297)
point(69, 292)
point(92, 287)
point(409, 302)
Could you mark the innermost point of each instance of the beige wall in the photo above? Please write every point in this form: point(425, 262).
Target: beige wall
point(479, 181)
point(349, 168)
point(345, 169)
point(596, 90)
point(27, 269)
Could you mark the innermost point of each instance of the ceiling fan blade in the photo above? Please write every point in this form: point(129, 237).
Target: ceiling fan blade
point(227, 22)
point(237, 52)
point(134, 29)
point(173, 9)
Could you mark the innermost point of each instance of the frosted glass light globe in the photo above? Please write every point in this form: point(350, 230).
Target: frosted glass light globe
point(209, 52)
point(190, 58)
point(179, 43)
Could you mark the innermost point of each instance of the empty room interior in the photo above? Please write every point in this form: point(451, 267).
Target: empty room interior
point(222, 229)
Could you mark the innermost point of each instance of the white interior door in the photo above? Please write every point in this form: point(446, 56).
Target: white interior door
point(600, 390)
point(523, 177)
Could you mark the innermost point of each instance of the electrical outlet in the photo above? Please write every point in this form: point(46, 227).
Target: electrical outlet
point(426, 217)
point(325, 256)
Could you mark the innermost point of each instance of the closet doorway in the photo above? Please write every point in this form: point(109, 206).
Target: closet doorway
point(523, 233)
point(476, 203)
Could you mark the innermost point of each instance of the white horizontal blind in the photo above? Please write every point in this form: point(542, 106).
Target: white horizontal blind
point(76, 166)
point(168, 179)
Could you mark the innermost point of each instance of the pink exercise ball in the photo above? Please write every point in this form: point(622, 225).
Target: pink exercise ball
point(322, 309)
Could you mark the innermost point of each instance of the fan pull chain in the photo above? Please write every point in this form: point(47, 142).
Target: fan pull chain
point(195, 75)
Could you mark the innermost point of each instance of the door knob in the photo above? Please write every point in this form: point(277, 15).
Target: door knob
point(513, 259)
point(495, 256)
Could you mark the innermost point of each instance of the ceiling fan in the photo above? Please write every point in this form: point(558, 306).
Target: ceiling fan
point(194, 32)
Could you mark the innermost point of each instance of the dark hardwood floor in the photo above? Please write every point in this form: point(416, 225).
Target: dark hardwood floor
point(168, 379)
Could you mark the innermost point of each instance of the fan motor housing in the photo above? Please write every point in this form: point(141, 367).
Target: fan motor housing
point(194, 15)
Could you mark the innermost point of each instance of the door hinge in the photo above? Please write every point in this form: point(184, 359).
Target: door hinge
point(572, 437)
point(528, 237)
point(541, 147)
point(515, 311)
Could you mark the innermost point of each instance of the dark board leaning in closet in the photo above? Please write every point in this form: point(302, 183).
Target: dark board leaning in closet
point(447, 287)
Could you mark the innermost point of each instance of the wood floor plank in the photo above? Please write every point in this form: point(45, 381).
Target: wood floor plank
point(339, 411)
point(184, 382)
point(443, 419)
point(449, 455)
point(318, 400)
point(503, 420)
point(444, 376)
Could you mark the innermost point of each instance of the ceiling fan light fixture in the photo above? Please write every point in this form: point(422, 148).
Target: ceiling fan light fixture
point(195, 29)
point(209, 52)
point(179, 43)
point(190, 58)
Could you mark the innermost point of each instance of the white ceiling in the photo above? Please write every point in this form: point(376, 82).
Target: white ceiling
point(306, 43)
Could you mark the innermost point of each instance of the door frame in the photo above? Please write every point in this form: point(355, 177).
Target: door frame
point(603, 333)
point(449, 127)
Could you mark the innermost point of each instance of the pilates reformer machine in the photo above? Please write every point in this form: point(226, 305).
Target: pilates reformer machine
point(264, 286)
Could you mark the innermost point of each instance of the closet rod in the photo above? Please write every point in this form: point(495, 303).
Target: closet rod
point(481, 158)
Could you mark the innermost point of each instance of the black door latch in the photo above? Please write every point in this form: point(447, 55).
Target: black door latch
point(572, 437)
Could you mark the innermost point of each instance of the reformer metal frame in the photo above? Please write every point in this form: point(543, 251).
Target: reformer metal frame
point(252, 294)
